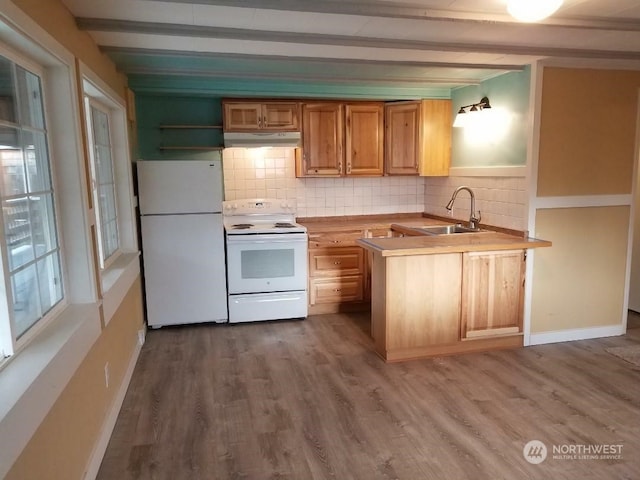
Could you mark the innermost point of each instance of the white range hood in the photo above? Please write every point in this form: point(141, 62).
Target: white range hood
point(262, 139)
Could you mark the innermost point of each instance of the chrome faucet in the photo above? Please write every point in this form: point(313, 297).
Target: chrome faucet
point(473, 219)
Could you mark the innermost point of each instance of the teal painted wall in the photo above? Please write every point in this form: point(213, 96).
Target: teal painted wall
point(505, 142)
point(152, 111)
point(249, 87)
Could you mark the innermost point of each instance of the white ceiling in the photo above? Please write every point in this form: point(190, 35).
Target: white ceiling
point(443, 43)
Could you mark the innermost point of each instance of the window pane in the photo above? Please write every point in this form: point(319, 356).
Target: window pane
point(104, 172)
point(110, 238)
point(50, 281)
point(43, 226)
point(29, 99)
point(25, 299)
point(7, 91)
point(100, 127)
point(11, 162)
point(107, 203)
point(105, 189)
point(37, 160)
point(17, 230)
point(20, 255)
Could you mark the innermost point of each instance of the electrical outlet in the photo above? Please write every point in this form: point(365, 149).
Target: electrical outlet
point(106, 375)
point(142, 333)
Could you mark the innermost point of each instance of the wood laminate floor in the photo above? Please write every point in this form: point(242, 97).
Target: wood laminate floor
point(310, 400)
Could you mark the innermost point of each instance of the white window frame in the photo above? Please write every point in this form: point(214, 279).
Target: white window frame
point(119, 270)
point(93, 103)
point(9, 343)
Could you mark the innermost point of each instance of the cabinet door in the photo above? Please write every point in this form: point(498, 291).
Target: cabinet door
point(402, 138)
point(436, 138)
point(322, 140)
point(281, 116)
point(364, 139)
point(492, 294)
point(242, 116)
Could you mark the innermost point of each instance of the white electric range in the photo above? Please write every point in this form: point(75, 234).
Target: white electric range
point(266, 260)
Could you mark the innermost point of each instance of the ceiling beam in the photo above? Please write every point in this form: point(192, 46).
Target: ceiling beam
point(411, 11)
point(202, 31)
point(308, 60)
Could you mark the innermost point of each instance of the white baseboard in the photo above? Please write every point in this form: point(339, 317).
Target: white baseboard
point(93, 466)
point(576, 334)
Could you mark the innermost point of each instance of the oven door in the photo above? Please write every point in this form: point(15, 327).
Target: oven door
point(266, 263)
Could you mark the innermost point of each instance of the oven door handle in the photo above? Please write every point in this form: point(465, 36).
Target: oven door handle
point(277, 238)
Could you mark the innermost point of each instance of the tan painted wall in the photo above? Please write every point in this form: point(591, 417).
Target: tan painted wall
point(62, 445)
point(587, 148)
point(54, 17)
point(579, 282)
point(587, 132)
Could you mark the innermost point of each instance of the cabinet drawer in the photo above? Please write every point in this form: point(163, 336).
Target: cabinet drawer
point(336, 261)
point(334, 239)
point(336, 289)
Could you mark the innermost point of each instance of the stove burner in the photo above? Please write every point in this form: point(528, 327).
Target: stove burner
point(283, 225)
point(242, 226)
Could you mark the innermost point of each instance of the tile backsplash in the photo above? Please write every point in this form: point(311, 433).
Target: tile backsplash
point(270, 173)
point(501, 200)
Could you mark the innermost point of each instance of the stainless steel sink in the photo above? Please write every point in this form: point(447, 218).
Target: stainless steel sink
point(446, 229)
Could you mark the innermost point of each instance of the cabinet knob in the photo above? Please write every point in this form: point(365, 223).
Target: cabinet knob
point(337, 263)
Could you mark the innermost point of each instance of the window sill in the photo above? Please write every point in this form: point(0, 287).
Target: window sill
point(32, 381)
point(117, 279)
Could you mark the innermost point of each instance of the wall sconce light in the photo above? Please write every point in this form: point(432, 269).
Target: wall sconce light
point(463, 117)
point(532, 11)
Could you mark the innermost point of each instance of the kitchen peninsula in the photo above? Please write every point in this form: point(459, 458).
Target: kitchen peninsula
point(445, 294)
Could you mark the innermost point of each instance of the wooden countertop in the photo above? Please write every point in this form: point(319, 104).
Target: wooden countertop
point(363, 222)
point(415, 242)
point(455, 243)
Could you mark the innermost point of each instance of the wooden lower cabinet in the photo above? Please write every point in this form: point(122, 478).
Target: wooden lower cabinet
point(448, 303)
point(410, 315)
point(378, 232)
point(336, 272)
point(492, 294)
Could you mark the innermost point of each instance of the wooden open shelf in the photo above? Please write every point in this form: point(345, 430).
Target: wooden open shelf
point(190, 126)
point(189, 148)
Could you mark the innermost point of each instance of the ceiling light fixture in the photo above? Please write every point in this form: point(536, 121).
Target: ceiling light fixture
point(532, 10)
point(462, 118)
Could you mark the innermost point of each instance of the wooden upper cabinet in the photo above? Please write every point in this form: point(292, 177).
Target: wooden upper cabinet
point(402, 138)
point(272, 116)
point(364, 139)
point(435, 138)
point(322, 140)
point(341, 139)
point(418, 137)
point(281, 116)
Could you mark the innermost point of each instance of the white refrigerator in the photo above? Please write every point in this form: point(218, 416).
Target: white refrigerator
point(182, 241)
